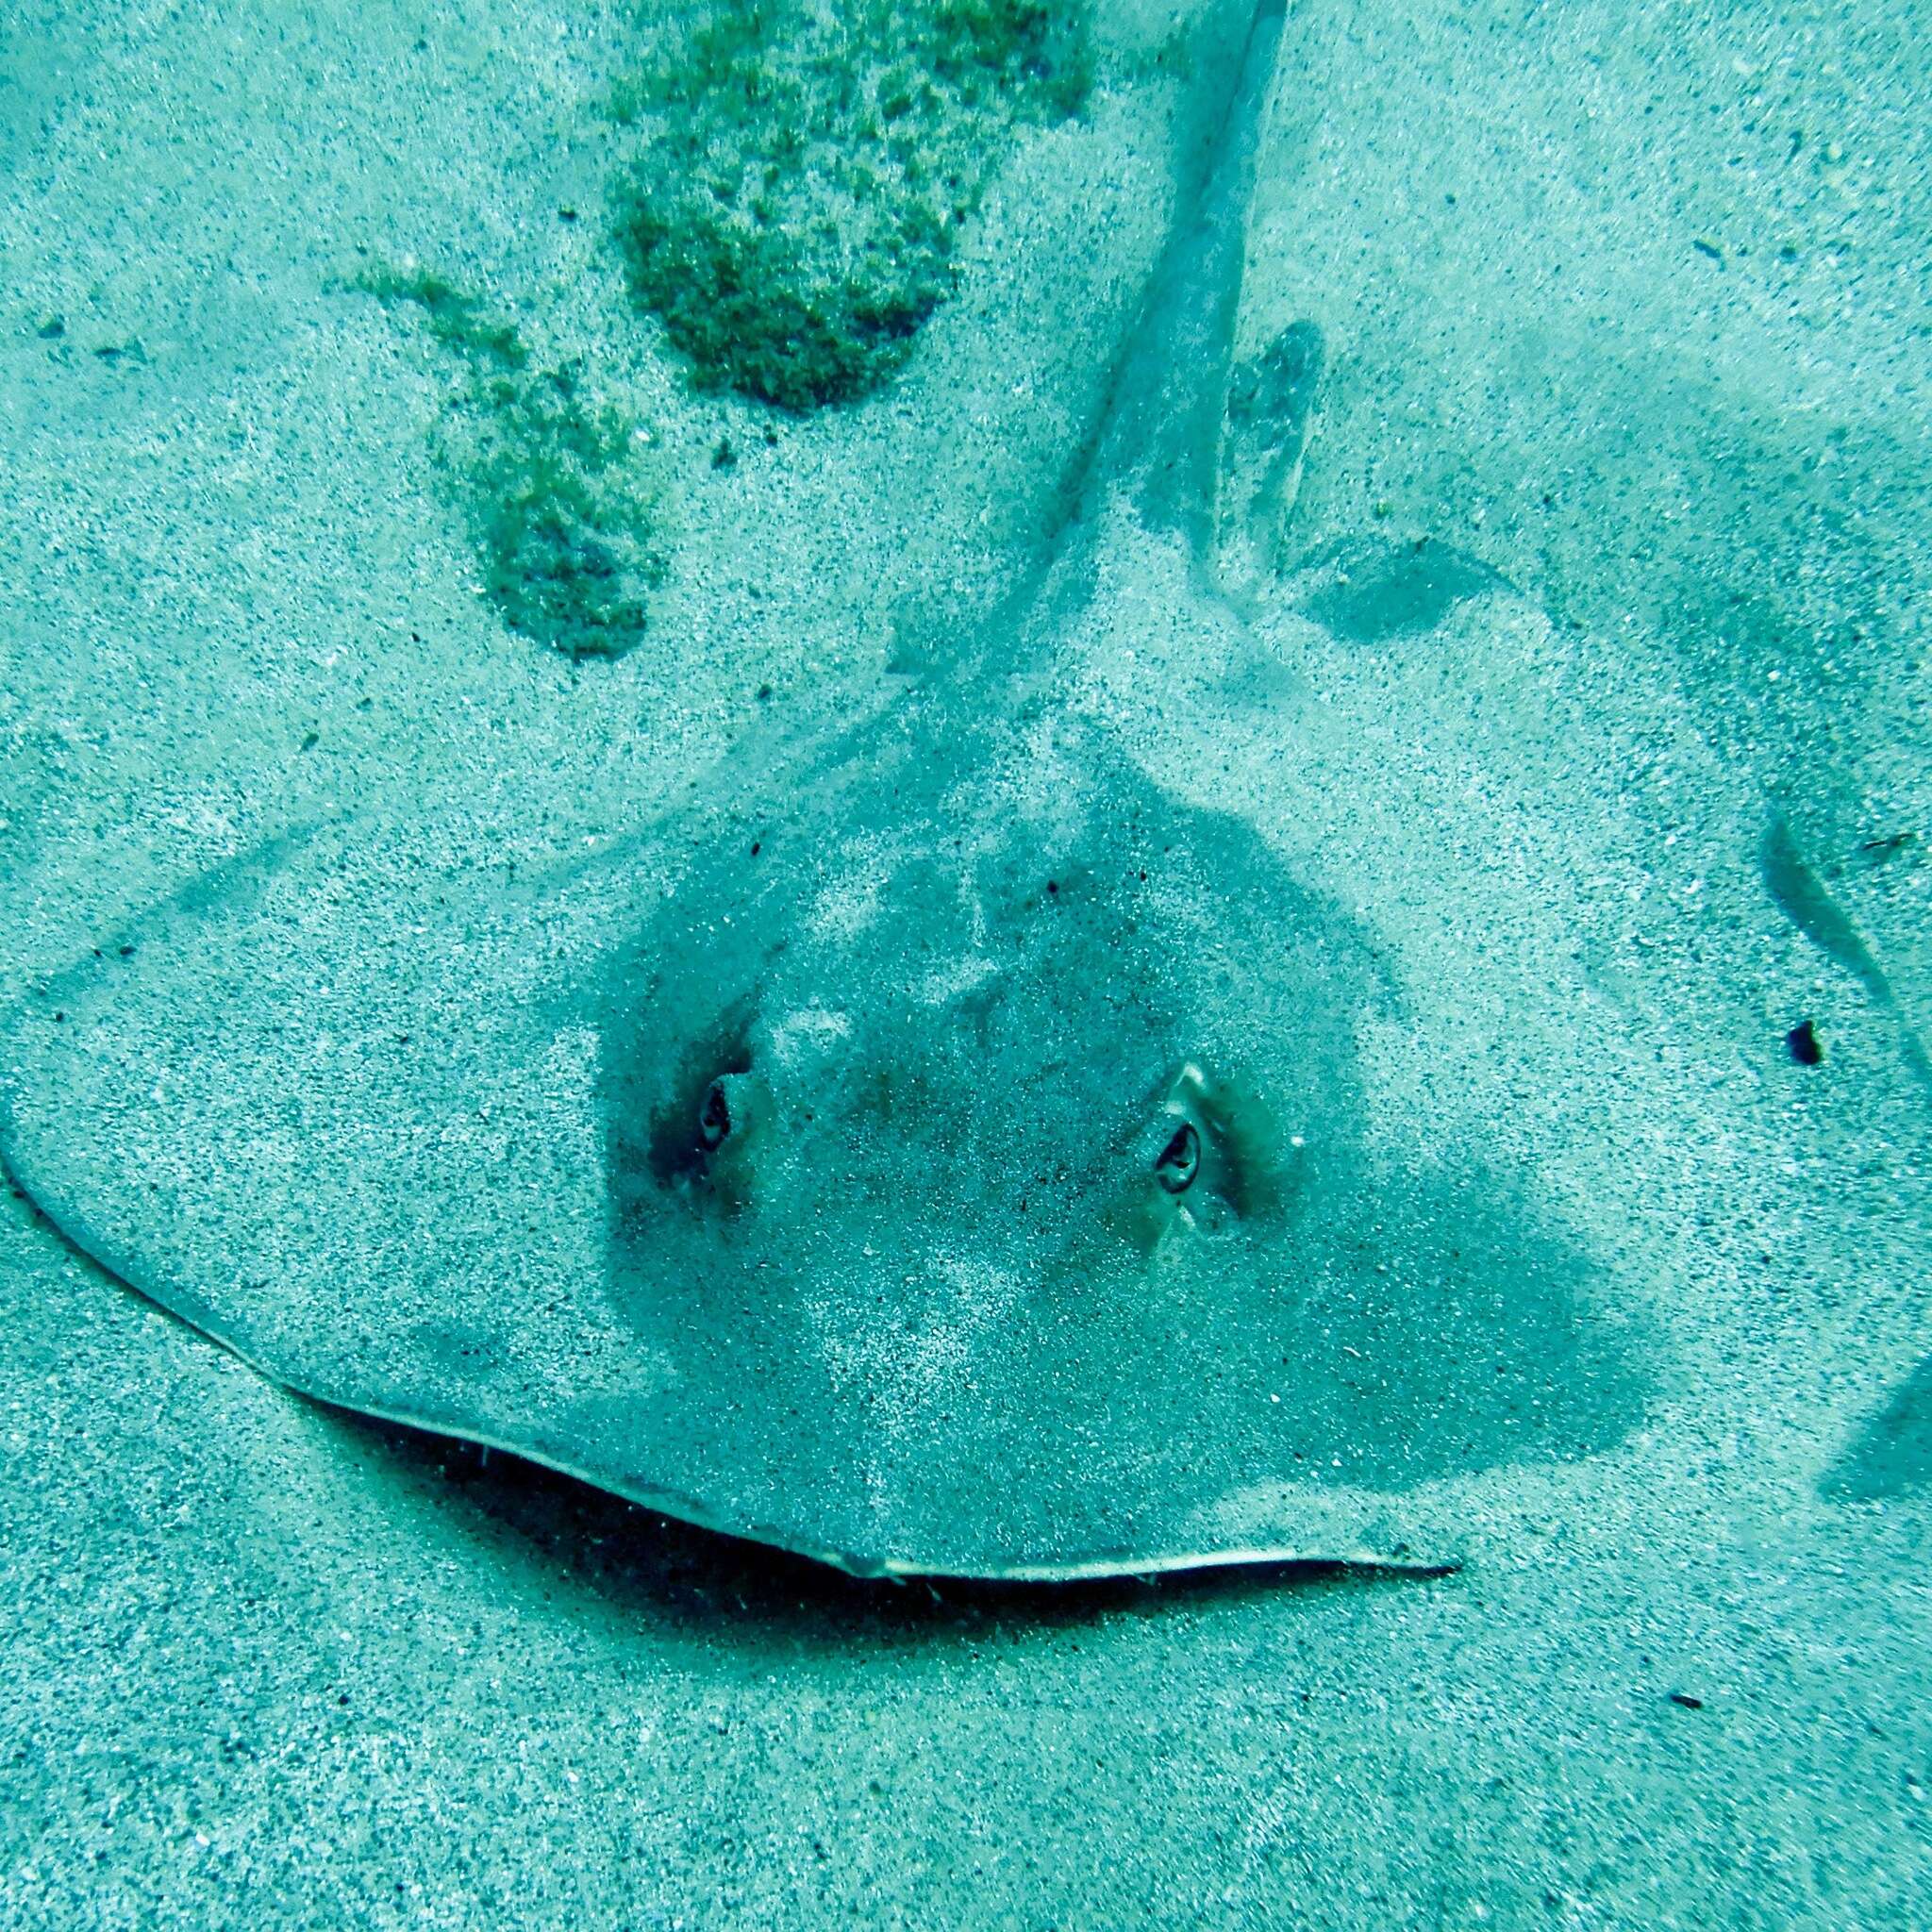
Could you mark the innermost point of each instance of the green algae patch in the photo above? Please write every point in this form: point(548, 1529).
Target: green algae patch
point(561, 514)
point(456, 320)
point(561, 503)
point(793, 213)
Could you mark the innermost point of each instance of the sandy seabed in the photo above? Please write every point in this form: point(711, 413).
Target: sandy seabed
point(1624, 314)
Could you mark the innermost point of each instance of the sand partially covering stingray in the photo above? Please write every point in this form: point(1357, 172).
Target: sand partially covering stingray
point(1607, 549)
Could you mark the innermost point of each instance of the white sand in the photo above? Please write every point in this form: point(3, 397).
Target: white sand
point(264, 1664)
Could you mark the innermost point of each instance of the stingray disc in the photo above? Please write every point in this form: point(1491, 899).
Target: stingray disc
point(954, 1156)
point(978, 1185)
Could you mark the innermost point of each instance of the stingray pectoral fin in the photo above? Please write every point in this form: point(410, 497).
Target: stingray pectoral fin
point(1337, 1524)
point(1318, 1552)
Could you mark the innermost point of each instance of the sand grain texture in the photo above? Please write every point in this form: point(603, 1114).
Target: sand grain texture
point(268, 1665)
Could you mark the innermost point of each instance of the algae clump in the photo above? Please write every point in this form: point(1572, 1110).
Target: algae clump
point(560, 508)
point(792, 216)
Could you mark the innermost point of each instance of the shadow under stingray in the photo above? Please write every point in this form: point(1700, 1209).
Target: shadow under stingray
point(635, 1561)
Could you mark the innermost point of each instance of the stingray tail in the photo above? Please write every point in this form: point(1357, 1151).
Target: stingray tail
point(1158, 428)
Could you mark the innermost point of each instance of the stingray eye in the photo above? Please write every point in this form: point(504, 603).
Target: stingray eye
point(714, 1117)
point(1180, 1159)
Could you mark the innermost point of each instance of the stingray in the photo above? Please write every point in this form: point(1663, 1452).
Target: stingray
point(933, 1147)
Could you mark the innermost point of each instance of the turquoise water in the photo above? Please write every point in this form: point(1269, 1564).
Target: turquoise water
point(968, 965)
